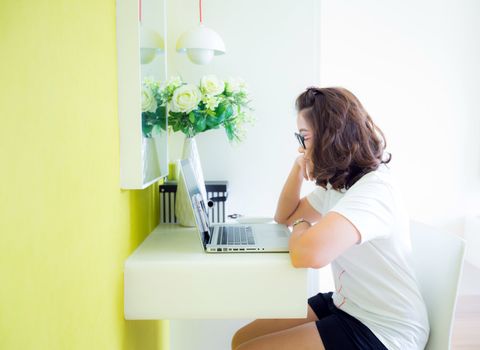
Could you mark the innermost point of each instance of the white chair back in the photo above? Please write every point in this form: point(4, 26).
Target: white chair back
point(438, 263)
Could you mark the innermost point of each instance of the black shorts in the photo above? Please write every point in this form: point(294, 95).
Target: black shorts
point(338, 329)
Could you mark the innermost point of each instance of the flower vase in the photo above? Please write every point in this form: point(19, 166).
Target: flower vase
point(183, 207)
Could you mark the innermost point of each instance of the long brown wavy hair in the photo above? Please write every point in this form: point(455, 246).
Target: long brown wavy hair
point(347, 143)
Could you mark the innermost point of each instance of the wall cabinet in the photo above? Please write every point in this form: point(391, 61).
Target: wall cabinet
point(143, 156)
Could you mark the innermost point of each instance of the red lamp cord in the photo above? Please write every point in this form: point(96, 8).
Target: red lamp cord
point(200, 5)
point(140, 10)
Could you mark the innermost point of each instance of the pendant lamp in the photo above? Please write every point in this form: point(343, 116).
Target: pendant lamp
point(200, 43)
point(151, 43)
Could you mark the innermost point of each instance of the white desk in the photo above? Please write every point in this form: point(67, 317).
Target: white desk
point(169, 276)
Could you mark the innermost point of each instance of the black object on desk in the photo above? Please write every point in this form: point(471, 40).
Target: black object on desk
point(217, 193)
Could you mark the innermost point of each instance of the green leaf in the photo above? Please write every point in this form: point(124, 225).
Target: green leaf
point(220, 109)
point(219, 115)
point(163, 122)
point(228, 111)
point(229, 131)
point(200, 125)
point(146, 128)
point(176, 114)
point(191, 117)
point(212, 123)
point(161, 111)
point(185, 131)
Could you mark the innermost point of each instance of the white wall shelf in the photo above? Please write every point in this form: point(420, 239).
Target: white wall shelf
point(169, 276)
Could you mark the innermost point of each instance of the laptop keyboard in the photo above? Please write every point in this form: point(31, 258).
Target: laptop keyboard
point(235, 235)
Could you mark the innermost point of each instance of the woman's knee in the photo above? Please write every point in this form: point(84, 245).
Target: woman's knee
point(248, 332)
point(238, 338)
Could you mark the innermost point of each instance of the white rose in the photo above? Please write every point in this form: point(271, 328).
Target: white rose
point(211, 85)
point(235, 85)
point(149, 103)
point(185, 99)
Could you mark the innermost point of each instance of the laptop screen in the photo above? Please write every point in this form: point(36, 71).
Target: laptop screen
point(196, 200)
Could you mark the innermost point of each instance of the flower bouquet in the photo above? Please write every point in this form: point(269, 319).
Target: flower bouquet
point(154, 111)
point(194, 109)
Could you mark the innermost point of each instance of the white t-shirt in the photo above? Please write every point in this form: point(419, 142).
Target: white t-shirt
point(374, 279)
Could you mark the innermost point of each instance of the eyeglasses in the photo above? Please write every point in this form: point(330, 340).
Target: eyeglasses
point(301, 139)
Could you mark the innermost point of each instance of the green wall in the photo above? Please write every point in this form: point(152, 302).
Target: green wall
point(66, 228)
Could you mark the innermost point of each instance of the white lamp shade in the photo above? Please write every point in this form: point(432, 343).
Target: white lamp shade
point(201, 44)
point(151, 44)
point(200, 56)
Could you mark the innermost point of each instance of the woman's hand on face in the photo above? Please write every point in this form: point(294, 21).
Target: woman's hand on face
point(305, 164)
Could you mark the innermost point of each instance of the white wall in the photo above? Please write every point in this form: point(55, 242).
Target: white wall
point(271, 45)
point(416, 67)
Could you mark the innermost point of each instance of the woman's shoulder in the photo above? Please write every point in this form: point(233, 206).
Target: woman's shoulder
point(381, 178)
point(383, 174)
point(377, 183)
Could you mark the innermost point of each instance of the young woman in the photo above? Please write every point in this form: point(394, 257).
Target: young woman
point(355, 221)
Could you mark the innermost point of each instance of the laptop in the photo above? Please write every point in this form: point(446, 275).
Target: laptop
point(231, 238)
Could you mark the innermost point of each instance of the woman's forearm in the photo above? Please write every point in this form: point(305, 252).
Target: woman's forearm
point(290, 195)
